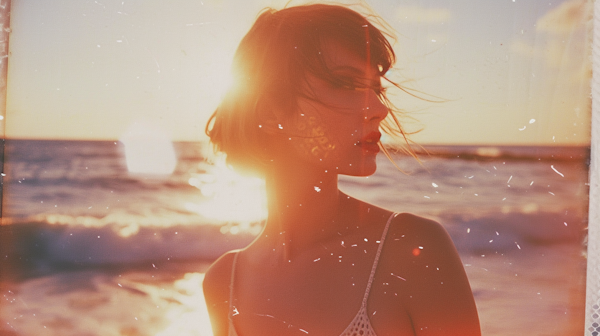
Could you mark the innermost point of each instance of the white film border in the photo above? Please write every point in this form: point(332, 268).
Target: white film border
point(592, 319)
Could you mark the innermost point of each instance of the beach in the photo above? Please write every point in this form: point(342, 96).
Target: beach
point(91, 249)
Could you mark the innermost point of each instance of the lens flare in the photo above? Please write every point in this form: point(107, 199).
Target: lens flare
point(148, 150)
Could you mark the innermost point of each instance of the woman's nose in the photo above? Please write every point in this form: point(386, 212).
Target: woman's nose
point(374, 109)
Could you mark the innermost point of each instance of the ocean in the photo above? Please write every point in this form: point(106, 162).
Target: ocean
point(92, 245)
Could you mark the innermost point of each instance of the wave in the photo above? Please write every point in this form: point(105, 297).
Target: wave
point(512, 232)
point(36, 249)
point(45, 246)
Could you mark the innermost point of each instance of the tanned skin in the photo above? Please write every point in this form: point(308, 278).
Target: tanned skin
point(307, 272)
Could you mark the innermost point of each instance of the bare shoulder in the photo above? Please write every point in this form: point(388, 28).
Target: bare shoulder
point(420, 236)
point(219, 271)
point(434, 286)
point(216, 292)
point(407, 222)
point(217, 279)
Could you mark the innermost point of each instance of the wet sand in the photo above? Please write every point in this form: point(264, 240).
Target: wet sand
point(542, 294)
point(162, 300)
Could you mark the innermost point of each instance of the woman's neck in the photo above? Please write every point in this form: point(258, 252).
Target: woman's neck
point(303, 209)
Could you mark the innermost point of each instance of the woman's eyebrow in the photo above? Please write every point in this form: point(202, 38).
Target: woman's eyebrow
point(350, 70)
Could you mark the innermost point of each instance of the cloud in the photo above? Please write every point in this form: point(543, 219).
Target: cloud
point(563, 37)
point(415, 14)
point(566, 18)
point(571, 53)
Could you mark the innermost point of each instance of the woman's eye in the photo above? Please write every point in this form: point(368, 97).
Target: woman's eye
point(378, 89)
point(354, 85)
point(348, 85)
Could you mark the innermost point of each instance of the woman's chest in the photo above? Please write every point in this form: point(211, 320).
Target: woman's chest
point(321, 296)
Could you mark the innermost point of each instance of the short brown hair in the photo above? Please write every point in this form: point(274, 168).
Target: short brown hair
point(270, 67)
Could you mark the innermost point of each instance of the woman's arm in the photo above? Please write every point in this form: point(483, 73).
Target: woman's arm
point(436, 291)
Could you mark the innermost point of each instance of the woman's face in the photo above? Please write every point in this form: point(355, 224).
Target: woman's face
point(339, 131)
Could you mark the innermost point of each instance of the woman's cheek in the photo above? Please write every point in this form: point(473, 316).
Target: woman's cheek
point(315, 141)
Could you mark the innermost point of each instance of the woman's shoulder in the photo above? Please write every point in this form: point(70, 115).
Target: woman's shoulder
point(401, 223)
point(435, 288)
point(216, 287)
point(217, 280)
point(405, 222)
point(412, 240)
point(219, 273)
point(419, 236)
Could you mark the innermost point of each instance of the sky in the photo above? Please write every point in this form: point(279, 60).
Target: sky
point(505, 72)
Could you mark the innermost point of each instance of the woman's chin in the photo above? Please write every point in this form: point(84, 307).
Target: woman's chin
point(361, 170)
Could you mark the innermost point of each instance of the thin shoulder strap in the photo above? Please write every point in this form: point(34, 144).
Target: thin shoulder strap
point(374, 268)
point(231, 283)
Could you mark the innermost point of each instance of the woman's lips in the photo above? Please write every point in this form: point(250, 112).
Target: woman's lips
point(370, 142)
point(371, 137)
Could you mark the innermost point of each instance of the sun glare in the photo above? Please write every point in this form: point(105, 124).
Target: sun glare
point(231, 197)
point(191, 316)
point(148, 150)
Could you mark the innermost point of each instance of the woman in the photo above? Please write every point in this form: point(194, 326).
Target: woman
point(307, 106)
